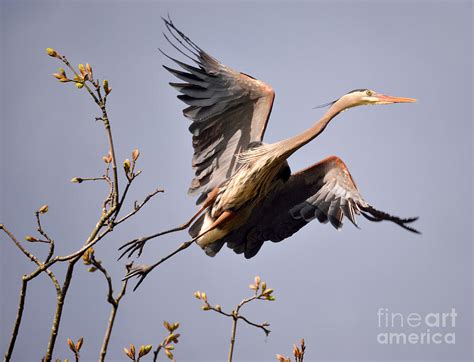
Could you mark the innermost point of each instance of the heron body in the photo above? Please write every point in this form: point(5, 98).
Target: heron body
point(261, 171)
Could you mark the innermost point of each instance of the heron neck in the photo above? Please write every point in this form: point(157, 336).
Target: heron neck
point(289, 146)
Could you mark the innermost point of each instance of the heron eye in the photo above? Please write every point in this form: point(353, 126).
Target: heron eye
point(368, 92)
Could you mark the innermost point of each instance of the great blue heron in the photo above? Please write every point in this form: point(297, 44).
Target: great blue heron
point(247, 192)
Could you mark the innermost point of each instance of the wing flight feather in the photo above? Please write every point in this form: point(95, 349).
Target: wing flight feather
point(228, 110)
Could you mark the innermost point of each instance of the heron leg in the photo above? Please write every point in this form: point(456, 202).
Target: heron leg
point(141, 271)
point(138, 244)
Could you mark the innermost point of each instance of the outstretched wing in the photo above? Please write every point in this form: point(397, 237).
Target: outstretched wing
point(229, 110)
point(324, 191)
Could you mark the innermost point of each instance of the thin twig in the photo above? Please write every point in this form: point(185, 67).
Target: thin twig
point(66, 61)
point(40, 227)
point(91, 240)
point(112, 152)
point(235, 317)
point(102, 178)
point(115, 304)
point(261, 293)
point(156, 352)
point(21, 247)
point(105, 119)
point(138, 206)
point(24, 284)
point(261, 326)
point(94, 236)
point(59, 310)
point(232, 338)
point(41, 266)
point(122, 198)
point(60, 291)
point(166, 343)
point(49, 240)
point(19, 315)
point(110, 294)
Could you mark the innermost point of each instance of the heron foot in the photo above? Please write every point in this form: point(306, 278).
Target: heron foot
point(133, 246)
point(139, 271)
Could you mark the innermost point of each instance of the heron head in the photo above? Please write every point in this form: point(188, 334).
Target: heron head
point(360, 97)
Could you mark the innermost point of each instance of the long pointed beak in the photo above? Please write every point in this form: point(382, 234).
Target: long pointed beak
point(384, 99)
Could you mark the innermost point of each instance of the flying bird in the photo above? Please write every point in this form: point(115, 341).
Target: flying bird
point(246, 191)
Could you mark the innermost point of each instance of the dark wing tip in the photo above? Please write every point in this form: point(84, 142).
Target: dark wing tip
point(377, 215)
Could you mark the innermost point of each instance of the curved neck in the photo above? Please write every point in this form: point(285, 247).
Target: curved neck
point(289, 146)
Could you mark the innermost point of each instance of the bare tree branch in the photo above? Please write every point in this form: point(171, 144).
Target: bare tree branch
point(261, 293)
point(19, 315)
point(111, 208)
point(42, 232)
point(114, 301)
point(138, 206)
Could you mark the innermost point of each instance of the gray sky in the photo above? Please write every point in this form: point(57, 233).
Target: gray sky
point(413, 159)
